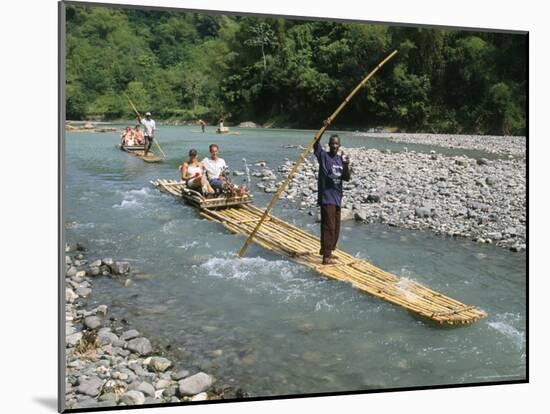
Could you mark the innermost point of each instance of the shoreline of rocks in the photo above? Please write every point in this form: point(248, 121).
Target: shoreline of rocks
point(479, 199)
point(504, 145)
point(108, 363)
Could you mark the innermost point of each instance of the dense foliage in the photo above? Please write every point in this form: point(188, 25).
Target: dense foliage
point(292, 73)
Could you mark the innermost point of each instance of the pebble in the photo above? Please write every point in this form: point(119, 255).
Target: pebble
point(195, 384)
point(131, 334)
point(159, 364)
point(140, 346)
point(133, 397)
point(147, 389)
point(90, 387)
point(92, 322)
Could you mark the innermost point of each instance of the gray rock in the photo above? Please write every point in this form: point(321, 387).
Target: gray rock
point(111, 397)
point(361, 215)
point(490, 181)
point(107, 338)
point(70, 296)
point(140, 346)
point(159, 364)
point(162, 384)
point(96, 263)
point(346, 214)
point(92, 322)
point(102, 310)
point(373, 198)
point(120, 268)
point(94, 271)
point(195, 384)
point(482, 161)
point(512, 231)
point(131, 334)
point(133, 397)
point(73, 338)
point(146, 388)
point(181, 374)
point(83, 291)
point(90, 386)
point(171, 391)
point(423, 212)
point(108, 262)
point(71, 272)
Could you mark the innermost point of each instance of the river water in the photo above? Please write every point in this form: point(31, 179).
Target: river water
point(264, 323)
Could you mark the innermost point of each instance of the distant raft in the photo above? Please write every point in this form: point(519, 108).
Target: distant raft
point(287, 240)
point(138, 150)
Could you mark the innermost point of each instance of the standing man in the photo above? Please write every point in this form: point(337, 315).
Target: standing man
point(333, 168)
point(202, 124)
point(214, 167)
point(149, 127)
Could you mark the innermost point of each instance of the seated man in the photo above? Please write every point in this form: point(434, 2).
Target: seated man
point(214, 166)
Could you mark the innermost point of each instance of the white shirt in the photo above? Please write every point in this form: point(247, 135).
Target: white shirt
point(214, 168)
point(149, 125)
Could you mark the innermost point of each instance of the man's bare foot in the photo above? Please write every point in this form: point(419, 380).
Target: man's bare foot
point(328, 260)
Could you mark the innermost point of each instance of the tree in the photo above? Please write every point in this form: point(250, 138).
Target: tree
point(262, 36)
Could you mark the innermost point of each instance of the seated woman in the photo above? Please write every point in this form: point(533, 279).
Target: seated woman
point(125, 136)
point(192, 172)
point(138, 135)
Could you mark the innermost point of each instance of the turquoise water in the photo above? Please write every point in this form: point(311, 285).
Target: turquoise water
point(264, 323)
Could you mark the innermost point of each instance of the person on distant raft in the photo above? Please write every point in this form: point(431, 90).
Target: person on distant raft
point(333, 168)
point(202, 124)
point(138, 135)
point(149, 132)
point(214, 167)
point(192, 172)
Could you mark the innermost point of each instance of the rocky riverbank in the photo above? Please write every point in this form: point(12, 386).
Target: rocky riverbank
point(504, 145)
point(108, 363)
point(483, 200)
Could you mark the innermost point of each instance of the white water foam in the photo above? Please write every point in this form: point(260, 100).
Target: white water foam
point(504, 325)
point(257, 275)
point(132, 199)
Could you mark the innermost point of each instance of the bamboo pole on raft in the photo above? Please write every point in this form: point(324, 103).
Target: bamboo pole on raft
point(308, 149)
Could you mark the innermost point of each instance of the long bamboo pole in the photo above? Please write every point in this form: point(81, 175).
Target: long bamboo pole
point(139, 120)
point(308, 149)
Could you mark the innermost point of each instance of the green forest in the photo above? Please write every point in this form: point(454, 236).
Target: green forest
point(291, 73)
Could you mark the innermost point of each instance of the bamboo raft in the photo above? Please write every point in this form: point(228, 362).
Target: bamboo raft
point(138, 150)
point(285, 239)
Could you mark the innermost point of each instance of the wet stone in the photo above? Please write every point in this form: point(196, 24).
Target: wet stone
point(140, 346)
